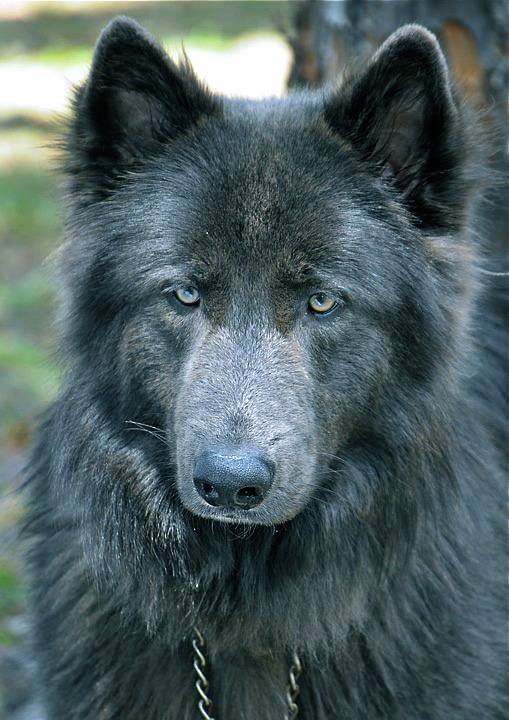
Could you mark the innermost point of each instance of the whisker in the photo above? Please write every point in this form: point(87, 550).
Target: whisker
point(333, 493)
point(333, 457)
point(140, 428)
point(145, 425)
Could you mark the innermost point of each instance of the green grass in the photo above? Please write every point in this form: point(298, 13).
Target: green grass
point(11, 601)
point(29, 381)
point(25, 295)
point(30, 229)
point(11, 595)
point(28, 211)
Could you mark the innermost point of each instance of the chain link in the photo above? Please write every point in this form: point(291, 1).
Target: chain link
point(293, 689)
point(202, 685)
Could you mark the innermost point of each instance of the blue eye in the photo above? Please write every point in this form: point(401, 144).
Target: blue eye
point(321, 304)
point(187, 295)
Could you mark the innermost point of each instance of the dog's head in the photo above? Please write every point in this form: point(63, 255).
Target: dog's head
point(261, 284)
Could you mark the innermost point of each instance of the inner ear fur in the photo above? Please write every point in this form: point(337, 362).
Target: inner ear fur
point(401, 115)
point(134, 99)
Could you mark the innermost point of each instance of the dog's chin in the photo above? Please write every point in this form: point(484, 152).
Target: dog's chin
point(261, 515)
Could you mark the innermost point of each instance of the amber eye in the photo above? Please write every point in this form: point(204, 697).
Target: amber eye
point(187, 295)
point(321, 304)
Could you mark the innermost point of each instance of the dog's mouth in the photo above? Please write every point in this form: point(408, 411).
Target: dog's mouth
point(235, 516)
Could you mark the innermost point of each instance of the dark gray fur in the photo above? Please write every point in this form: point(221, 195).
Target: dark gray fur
point(379, 553)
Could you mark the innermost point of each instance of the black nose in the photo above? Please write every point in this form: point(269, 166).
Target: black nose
point(229, 478)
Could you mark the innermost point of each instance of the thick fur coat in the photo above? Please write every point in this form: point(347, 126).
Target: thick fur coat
point(378, 554)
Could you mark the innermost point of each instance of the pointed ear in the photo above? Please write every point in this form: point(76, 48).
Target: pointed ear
point(134, 100)
point(400, 115)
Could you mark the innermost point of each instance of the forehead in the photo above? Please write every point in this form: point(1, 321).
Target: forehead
point(251, 195)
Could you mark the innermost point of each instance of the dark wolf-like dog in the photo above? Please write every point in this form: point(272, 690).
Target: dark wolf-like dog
point(281, 426)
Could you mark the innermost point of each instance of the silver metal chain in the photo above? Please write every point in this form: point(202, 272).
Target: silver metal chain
point(293, 689)
point(202, 684)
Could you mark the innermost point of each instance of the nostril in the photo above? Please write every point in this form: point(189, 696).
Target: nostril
point(250, 492)
point(207, 488)
point(249, 496)
point(207, 491)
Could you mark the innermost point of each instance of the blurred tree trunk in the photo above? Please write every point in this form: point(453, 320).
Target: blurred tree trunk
point(474, 34)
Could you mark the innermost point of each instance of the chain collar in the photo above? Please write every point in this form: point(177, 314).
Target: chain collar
point(202, 685)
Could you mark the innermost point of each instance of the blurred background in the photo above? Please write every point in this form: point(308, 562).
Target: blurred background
point(239, 47)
